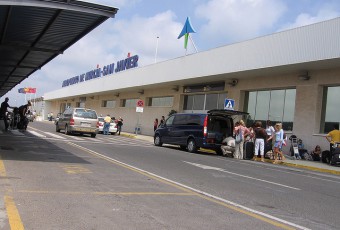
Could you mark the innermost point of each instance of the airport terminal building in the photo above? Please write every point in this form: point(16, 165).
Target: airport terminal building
point(291, 77)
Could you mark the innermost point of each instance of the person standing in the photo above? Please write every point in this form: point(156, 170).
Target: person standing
point(162, 122)
point(260, 136)
point(155, 124)
point(119, 125)
point(3, 111)
point(278, 142)
point(243, 131)
point(269, 139)
point(333, 137)
point(106, 128)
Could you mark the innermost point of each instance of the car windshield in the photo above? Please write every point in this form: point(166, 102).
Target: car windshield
point(85, 113)
point(100, 119)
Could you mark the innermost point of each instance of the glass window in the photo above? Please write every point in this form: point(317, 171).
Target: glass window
point(188, 102)
point(198, 102)
point(274, 105)
point(169, 120)
point(221, 99)
point(80, 104)
point(161, 101)
point(129, 103)
point(331, 105)
point(204, 101)
point(109, 104)
point(211, 101)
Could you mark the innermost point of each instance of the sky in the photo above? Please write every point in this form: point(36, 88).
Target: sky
point(143, 26)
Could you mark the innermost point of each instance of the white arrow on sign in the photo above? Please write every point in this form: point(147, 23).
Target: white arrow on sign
point(240, 175)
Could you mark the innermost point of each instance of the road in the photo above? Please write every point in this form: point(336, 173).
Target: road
point(54, 181)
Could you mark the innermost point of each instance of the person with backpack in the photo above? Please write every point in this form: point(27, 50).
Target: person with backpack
point(260, 136)
point(241, 131)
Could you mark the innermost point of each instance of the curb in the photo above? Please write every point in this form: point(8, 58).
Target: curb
point(266, 160)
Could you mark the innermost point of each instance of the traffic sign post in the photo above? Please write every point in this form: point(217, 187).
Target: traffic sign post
point(139, 109)
point(229, 104)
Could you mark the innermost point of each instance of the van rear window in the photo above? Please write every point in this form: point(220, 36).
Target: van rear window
point(85, 113)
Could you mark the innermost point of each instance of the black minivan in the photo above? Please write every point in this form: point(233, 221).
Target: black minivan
point(192, 131)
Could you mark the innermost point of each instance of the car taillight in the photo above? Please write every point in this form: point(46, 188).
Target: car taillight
point(71, 121)
point(99, 124)
point(205, 126)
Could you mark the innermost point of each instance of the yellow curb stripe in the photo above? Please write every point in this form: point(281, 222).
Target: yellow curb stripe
point(13, 214)
point(254, 215)
point(108, 193)
point(312, 168)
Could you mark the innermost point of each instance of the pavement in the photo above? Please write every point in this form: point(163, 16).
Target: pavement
point(317, 166)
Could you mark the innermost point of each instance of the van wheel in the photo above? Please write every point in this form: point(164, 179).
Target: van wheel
point(57, 128)
point(93, 135)
point(192, 148)
point(67, 132)
point(158, 141)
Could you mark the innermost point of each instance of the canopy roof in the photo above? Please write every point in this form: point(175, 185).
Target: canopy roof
point(33, 32)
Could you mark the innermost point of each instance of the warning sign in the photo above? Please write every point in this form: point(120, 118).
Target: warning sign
point(229, 104)
point(140, 103)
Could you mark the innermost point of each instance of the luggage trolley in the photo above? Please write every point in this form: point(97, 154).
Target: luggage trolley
point(294, 149)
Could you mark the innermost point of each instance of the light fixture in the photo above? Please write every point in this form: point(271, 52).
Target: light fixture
point(141, 91)
point(117, 94)
point(304, 77)
point(233, 82)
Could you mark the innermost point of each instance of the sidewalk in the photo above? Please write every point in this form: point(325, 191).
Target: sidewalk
point(317, 166)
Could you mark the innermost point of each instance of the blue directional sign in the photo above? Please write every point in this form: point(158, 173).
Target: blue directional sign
point(229, 104)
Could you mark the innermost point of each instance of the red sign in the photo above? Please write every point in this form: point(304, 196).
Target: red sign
point(140, 103)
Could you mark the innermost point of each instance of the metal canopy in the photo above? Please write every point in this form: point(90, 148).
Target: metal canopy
point(33, 32)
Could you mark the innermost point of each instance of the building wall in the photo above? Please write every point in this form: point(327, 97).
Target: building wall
point(308, 102)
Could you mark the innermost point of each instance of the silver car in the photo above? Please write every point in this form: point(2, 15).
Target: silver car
point(78, 120)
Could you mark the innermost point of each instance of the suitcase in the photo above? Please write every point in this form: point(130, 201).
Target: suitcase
point(335, 157)
point(325, 156)
point(248, 152)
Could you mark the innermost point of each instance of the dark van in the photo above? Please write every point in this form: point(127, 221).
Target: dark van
point(192, 131)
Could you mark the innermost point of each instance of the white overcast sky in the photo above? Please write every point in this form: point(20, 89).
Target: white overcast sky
point(138, 23)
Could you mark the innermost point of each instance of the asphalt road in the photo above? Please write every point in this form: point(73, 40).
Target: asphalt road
point(54, 181)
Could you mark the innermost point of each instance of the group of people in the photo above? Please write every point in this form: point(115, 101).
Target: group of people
point(156, 125)
point(107, 122)
point(272, 136)
point(21, 111)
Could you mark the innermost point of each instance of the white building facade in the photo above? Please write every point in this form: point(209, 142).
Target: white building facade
point(291, 77)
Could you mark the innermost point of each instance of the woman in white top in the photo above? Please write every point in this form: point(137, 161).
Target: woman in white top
point(238, 154)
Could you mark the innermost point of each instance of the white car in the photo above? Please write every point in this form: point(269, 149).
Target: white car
point(113, 126)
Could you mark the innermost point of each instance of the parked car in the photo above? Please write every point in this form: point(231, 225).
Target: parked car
point(192, 131)
point(78, 120)
point(113, 126)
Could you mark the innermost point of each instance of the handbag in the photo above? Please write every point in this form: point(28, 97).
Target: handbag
point(239, 136)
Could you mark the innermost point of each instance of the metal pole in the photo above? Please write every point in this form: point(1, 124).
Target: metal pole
point(156, 49)
point(193, 43)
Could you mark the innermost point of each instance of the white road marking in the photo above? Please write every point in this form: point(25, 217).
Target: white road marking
point(36, 133)
point(240, 175)
point(54, 135)
point(193, 189)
